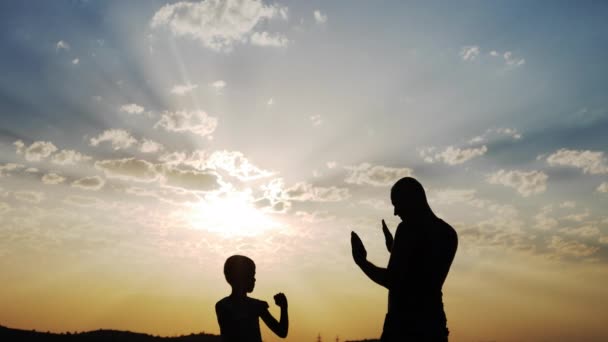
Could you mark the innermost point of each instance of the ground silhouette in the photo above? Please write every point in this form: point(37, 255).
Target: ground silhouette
point(10, 335)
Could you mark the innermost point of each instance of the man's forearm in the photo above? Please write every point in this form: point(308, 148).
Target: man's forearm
point(284, 323)
point(373, 272)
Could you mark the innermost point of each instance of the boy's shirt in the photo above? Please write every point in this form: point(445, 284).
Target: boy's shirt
point(239, 318)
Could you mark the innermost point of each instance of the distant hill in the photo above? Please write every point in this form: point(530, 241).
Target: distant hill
point(10, 335)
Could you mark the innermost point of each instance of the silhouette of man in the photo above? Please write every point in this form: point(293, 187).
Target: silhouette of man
point(421, 255)
point(238, 315)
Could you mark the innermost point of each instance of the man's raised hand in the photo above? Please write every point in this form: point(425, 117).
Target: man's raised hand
point(388, 237)
point(358, 250)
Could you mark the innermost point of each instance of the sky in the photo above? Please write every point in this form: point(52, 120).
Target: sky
point(144, 142)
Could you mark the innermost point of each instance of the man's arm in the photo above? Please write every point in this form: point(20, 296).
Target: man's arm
point(373, 272)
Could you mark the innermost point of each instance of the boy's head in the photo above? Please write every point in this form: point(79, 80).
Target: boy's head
point(239, 271)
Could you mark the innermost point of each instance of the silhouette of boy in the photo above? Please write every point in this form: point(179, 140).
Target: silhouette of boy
point(421, 255)
point(237, 314)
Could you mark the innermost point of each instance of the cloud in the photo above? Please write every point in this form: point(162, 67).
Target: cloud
point(182, 89)
point(469, 53)
point(4, 208)
point(52, 179)
point(93, 183)
point(128, 169)
point(37, 151)
point(62, 45)
point(132, 108)
point(175, 196)
point(8, 167)
point(452, 155)
point(320, 18)
point(268, 39)
point(571, 248)
point(376, 175)
point(218, 25)
point(219, 86)
point(496, 133)
point(197, 122)
point(544, 220)
point(236, 164)
point(585, 231)
point(512, 61)
point(307, 192)
point(567, 204)
point(494, 53)
point(526, 183)
point(150, 146)
point(75, 61)
point(603, 187)
point(270, 101)
point(315, 216)
point(190, 179)
point(29, 196)
point(331, 164)
point(84, 201)
point(592, 162)
point(452, 196)
point(316, 120)
point(69, 157)
point(119, 138)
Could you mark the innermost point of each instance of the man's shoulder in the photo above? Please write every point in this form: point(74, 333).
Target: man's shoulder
point(260, 304)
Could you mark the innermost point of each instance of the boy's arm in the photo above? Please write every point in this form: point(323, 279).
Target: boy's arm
point(278, 327)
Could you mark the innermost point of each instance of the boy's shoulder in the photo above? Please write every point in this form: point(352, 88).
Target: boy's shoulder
point(253, 303)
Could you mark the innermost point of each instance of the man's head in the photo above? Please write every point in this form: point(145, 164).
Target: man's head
point(239, 271)
point(409, 199)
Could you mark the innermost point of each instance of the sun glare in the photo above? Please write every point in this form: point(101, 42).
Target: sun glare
point(230, 215)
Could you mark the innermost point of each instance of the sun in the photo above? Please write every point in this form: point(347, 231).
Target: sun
point(231, 214)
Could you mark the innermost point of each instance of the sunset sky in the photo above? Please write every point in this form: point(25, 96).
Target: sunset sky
point(144, 142)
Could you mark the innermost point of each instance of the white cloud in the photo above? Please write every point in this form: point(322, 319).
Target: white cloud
point(52, 179)
point(452, 155)
point(69, 157)
point(197, 122)
point(182, 89)
point(496, 133)
point(494, 53)
point(93, 183)
point(236, 164)
point(315, 216)
point(603, 240)
point(268, 39)
point(512, 61)
point(128, 169)
point(8, 167)
point(4, 208)
point(320, 18)
point(270, 101)
point(592, 162)
point(219, 86)
point(119, 138)
point(307, 192)
point(526, 183)
point(571, 248)
point(37, 151)
point(29, 196)
point(544, 220)
point(585, 231)
point(62, 45)
point(567, 204)
point(150, 146)
point(83, 201)
point(132, 108)
point(331, 164)
point(19, 145)
point(376, 175)
point(31, 170)
point(316, 120)
point(75, 61)
point(452, 196)
point(469, 53)
point(603, 187)
point(190, 179)
point(218, 25)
